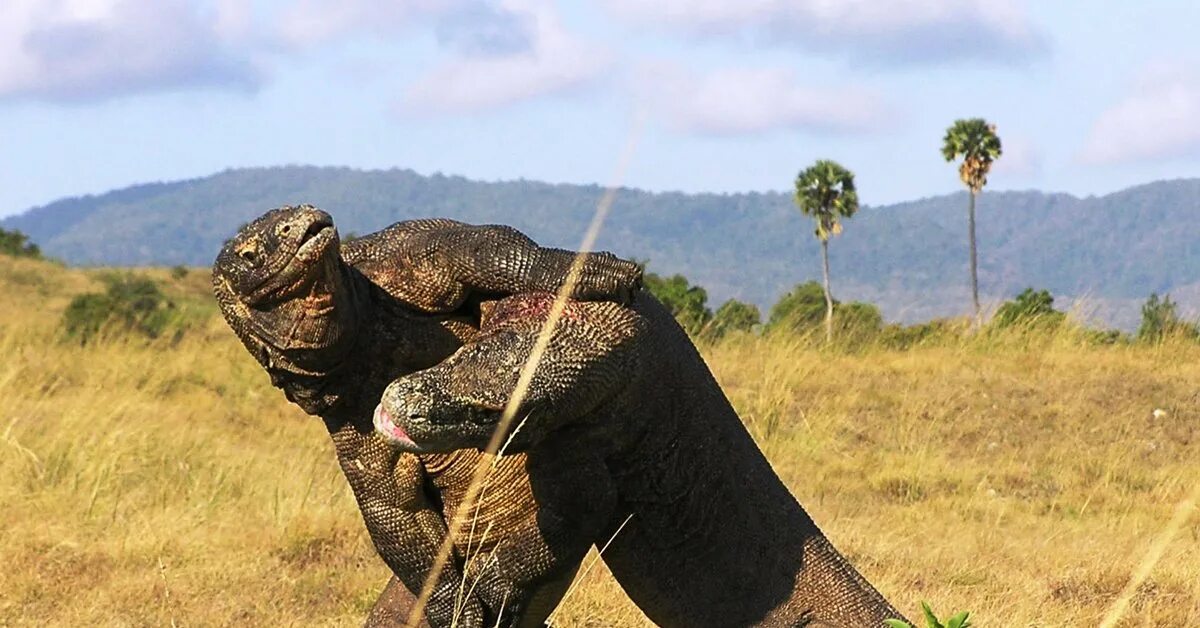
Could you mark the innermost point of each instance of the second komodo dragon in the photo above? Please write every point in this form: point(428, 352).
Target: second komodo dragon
point(711, 536)
point(333, 324)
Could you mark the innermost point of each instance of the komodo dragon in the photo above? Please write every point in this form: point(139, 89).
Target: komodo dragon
point(333, 330)
point(713, 536)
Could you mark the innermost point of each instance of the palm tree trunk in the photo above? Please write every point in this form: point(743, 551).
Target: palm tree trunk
point(828, 295)
point(974, 263)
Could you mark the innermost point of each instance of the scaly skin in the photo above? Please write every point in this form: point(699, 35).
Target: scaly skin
point(333, 325)
point(715, 538)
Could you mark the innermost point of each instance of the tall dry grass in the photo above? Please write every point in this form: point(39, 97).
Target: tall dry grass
point(1021, 476)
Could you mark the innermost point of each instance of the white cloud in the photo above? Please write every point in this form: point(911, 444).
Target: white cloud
point(486, 29)
point(77, 50)
point(753, 100)
point(542, 58)
point(309, 22)
point(878, 31)
point(1160, 119)
point(494, 52)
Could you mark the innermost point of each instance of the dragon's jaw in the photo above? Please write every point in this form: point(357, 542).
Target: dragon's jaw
point(315, 321)
point(393, 433)
point(269, 257)
point(417, 434)
point(419, 419)
point(305, 269)
point(285, 285)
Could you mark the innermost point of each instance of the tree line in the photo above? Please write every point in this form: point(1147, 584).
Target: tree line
point(17, 244)
point(826, 193)
point(803, 311)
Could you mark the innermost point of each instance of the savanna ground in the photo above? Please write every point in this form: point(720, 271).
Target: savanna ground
point(1023, 478)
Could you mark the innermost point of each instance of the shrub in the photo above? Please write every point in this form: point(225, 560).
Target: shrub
point(1105, 336)
point(857, 320)
point(179, 272)
point(803, 310)
point(733, 316)
point(17, 244)
point(1030, 308)
point(688, 303)
point(960, 620)
point(129, 304)
point(1160, 320)
point(896, 336)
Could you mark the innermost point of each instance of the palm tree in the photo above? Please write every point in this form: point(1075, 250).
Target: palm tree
point(977, 143)
point(825, 192)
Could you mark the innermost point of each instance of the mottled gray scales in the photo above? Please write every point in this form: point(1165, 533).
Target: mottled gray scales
point(333, 325)
point(715, 538)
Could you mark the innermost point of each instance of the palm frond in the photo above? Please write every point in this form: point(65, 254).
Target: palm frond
point(825, 192)
point(976, 141)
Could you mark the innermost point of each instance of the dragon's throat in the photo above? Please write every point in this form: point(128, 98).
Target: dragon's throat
point(317, 330)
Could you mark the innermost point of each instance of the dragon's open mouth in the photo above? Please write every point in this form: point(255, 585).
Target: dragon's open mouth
point(318, 225)
point(385, 426)
point(318, 235)
point(303, 268)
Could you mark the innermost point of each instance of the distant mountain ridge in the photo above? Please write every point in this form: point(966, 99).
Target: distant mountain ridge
point(910, 258)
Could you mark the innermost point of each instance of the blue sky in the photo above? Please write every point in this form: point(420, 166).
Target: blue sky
point(721, 95)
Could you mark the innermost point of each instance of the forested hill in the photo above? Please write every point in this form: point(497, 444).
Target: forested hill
point(910, 258)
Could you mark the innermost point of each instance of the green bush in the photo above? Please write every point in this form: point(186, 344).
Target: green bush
point(857, 320)
point(179, 272)
point(802, 310)
point(1030, 308)
point(1106, 336)
point(688, 303)
point(1160, 320)
point(129, 304)
point(897, 336)
point(733, 316)
point(17, 244)
point(960, 620)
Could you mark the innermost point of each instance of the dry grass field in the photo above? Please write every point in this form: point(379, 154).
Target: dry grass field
point(1023, 478)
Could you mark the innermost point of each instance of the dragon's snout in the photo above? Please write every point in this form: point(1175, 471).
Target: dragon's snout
point(305, 223)
point(417, 413)
point(409, 399)
point(404, 410)
point(386, 426)
point(305, 230)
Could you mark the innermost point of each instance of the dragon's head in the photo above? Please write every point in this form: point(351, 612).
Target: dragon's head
point(460, 402)
point(282, 286)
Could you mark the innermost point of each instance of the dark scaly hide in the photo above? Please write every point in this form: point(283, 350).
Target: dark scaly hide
point(713, 536)
point(333, 324)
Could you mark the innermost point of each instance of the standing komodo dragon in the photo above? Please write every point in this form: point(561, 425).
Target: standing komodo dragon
point(333, 325)
point(713, 536)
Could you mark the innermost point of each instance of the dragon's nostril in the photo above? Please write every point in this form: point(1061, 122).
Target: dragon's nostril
point(286, 229)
